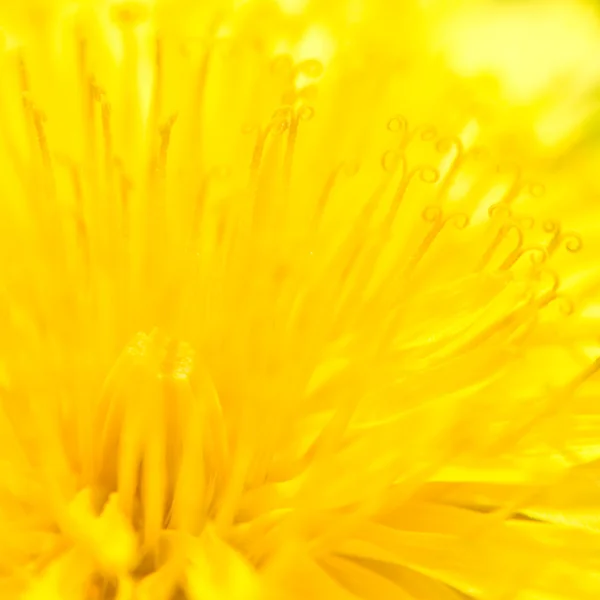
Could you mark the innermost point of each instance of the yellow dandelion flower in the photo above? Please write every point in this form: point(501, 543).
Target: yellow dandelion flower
point(264, 338)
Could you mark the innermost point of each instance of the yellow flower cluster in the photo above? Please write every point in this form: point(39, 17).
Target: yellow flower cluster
point(263, 337)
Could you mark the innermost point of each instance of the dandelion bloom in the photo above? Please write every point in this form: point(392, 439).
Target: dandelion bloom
point(264, 338)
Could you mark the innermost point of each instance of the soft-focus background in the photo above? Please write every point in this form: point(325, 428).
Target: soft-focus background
point(533, 75)
point(527, 71)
